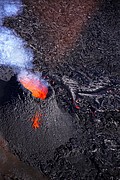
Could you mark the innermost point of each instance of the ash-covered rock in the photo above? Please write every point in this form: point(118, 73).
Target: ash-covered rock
point(12, 168)
point(6, 73)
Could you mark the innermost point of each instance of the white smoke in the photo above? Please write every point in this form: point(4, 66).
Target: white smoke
point(9, 8)
point(12, 50)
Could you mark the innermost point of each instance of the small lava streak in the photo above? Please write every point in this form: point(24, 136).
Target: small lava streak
point(77, 107)
point(36, 120)
point(76, 104)
point(34, 84)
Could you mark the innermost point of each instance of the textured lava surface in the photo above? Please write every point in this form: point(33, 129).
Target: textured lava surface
point(12, 168)
point(79, 138)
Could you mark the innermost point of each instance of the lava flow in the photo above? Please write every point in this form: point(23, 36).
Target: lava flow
point(36, 120)
point(34, 84)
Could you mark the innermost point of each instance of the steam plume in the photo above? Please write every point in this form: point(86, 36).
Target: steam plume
point(9, 8)
point(14, 53)
point(12, 50)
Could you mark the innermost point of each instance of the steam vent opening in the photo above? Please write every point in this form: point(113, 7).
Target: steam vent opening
point(59, 89)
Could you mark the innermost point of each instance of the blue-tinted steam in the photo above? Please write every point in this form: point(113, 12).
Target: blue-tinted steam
point(13, 8)
point(9, 8)
point(13, 51)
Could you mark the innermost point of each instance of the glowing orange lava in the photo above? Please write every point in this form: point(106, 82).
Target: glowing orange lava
point(36, 121)
point(33, 84)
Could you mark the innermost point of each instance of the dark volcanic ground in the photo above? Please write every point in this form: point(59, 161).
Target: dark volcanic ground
point(79, 138)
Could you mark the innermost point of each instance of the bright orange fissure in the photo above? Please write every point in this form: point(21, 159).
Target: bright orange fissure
point(36, 120)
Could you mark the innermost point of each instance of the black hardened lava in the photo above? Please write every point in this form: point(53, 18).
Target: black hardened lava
point(79, 136)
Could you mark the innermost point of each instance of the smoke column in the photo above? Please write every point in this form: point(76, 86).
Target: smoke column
point(14, 53)
point(9, 8)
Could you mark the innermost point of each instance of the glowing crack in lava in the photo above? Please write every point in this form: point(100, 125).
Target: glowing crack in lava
point(37, 86)
point(36, 120)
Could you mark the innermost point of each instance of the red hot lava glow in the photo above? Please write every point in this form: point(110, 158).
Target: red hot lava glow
point(36, 86)
point(36, 121)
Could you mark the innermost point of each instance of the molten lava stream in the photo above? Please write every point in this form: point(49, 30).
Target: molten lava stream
point(36, 120)
point(36, 86)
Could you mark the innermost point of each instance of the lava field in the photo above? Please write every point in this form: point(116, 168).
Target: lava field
point(72, 130)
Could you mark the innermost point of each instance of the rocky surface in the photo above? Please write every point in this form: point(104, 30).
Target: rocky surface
point(12, 168)
point(5, 73)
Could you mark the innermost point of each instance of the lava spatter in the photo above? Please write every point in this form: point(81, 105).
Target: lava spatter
point(32, 82)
